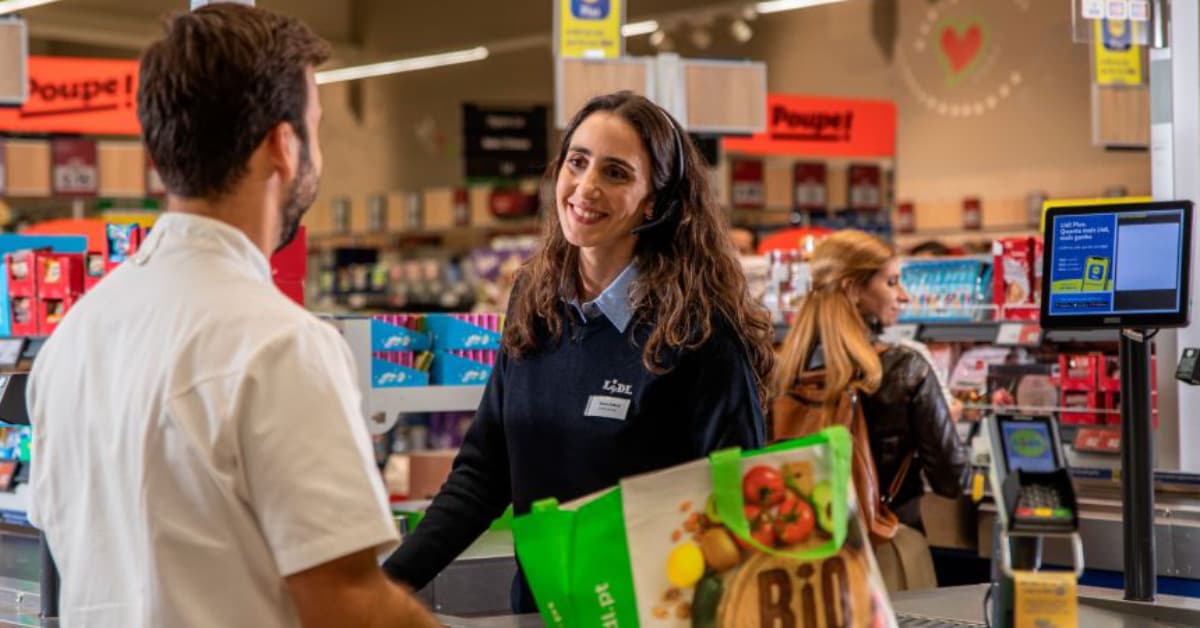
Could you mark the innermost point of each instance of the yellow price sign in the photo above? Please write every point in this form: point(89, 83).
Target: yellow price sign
point(1045, 599)
point(589, 29)
point(1116, 57)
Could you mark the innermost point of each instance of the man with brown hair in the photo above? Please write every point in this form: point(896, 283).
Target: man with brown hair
point(200, 455)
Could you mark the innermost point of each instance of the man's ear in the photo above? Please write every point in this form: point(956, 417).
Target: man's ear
point(283, 150)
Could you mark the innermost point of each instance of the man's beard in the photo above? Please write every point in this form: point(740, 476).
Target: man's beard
point(300, 197)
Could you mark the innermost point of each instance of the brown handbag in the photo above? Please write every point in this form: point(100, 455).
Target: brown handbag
point(800, 413)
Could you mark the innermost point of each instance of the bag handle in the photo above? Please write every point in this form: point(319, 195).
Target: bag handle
point(726, 469)
point(898, 480)
point(905, 464)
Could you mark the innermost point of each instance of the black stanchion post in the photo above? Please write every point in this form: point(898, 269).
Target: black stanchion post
point(1137, 468)
point(49, 582)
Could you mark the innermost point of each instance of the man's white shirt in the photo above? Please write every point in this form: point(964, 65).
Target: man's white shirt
point(197, 438)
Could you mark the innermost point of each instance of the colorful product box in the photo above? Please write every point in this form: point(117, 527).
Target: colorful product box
point(945, 289)
point(464, 331)
point(1079, 408)
point(22, 280)
point(388, 374)
point(23, 315)
point(1080, 372)
point(94, 269)
point(123, 242)
point(5, 303)
point(59, 275)
point(1013, 278)
point(455, 370)
point(51, 313)
point(398, 333)
point(1109, 374)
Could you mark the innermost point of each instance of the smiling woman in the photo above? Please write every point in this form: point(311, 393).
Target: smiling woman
point(632, 343)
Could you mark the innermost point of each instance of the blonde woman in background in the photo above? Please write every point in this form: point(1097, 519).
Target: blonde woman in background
point(855, 293)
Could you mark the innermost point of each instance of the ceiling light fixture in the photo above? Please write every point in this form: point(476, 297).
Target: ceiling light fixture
point(12, 6)
point(775, 6)
point(634, 29)
point(411, 64)
point(740, 31)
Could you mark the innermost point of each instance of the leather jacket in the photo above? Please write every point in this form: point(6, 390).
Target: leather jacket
point(909, 413)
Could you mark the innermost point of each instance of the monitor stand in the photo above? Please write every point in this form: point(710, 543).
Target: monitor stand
point(1137, 467)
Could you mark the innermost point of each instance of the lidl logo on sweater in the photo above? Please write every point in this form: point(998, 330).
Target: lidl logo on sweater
point(617, 388)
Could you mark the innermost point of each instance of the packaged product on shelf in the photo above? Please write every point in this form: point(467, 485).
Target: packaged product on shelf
point(1080, 372)
point(59, 275)
point(24, 316)
point(757, 269)
point(465, 347)
point(446, 429)
point(14, 442)
point(1026, 388)
point(951, 290)
point(787, 283)
point(95, 267)
point(123, 241)
point(51, 313)
point(22, 280)
point(399, 352)
point(968, 379)
point(1080, 407)
point(742, 539)
point(1014, 278)
point(492, 270)
point(1108, 372)
point(1037, 273)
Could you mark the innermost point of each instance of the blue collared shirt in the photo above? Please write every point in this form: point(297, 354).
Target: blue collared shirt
point(615, 302)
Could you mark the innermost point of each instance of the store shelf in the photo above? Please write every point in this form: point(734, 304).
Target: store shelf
point(761, 217)
point(958, 234)
point(425, 399)
point(393, 239)
point(937, 331)
point(1083, 336)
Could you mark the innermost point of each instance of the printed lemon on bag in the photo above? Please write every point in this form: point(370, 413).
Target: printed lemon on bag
point(685, 565)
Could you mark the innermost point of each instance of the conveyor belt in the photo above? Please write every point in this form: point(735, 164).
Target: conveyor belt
point(920, 621)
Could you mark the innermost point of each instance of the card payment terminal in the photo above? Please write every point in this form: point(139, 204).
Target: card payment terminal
point(1031, 485)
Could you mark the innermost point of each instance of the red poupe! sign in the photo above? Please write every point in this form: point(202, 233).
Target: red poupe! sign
point(74, 95)
point(814, 126)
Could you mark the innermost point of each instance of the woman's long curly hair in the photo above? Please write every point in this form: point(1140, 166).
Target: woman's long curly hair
point(689, 276)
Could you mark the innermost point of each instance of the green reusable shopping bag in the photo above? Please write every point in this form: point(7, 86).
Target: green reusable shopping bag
point(732, 540)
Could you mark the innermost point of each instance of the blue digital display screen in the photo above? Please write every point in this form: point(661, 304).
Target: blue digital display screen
point(1028, 446)
point(1116, 263)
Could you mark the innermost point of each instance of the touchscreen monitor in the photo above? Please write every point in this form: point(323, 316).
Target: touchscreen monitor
point(1117, 266)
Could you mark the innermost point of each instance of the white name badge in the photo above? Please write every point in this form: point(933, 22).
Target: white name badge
point(607, 407)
